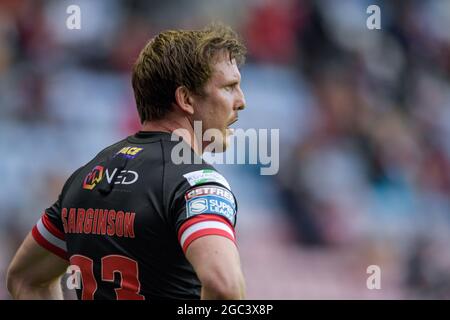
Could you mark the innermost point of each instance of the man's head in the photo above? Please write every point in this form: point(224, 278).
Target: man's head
point(194, 73)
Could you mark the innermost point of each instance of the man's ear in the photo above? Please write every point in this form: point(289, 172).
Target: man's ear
point(184, 100)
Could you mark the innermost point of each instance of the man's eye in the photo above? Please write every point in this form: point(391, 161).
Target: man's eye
point(230, 87)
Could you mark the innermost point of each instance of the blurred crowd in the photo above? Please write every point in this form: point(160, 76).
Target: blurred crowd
point(364, 119)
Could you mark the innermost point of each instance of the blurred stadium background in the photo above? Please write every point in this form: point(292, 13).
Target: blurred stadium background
point(364, 119)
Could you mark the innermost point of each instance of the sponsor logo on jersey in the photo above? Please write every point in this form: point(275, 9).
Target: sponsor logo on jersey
point(209, 190)
point(198, 206)
point(205, 176)
point(124, 177)
point(211, 200)
point(93, 178)
point(129, 152)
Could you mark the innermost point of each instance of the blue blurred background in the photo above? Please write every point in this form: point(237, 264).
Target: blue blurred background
point(364, 119)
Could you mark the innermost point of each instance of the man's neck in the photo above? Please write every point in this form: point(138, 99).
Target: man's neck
point(177, 125)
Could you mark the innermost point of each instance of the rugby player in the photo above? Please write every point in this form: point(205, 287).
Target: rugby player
point(133, 223)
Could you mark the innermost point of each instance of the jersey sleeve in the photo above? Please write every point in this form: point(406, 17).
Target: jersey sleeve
point(203, 205)
point(49, 230)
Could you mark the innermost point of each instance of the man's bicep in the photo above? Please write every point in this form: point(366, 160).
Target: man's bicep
point(213, 255)
point(36, 265)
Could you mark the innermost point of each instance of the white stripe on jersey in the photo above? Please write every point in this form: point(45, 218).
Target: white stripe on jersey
point(50, 237)
point(205, 225)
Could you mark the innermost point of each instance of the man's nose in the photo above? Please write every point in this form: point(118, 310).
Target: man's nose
point(240, 100)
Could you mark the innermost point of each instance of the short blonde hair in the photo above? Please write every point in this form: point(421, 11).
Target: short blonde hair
point(179, 58)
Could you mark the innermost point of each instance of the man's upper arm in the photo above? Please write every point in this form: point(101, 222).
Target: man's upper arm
point(216, 262)
point(49, 231)
point(42, 257)
point(205, 210)
point(34, 266)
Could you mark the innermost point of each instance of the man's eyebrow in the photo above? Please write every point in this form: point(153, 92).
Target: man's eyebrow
point(231, 82)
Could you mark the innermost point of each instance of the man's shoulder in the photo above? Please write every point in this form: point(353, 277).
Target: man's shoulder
point(182, 163)
point(125, 148)
point(183, 166)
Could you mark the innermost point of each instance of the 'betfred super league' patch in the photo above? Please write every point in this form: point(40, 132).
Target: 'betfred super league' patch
point(211, 200)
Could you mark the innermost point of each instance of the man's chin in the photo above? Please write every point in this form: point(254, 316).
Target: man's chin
point(220, 145)
point(226, 139)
